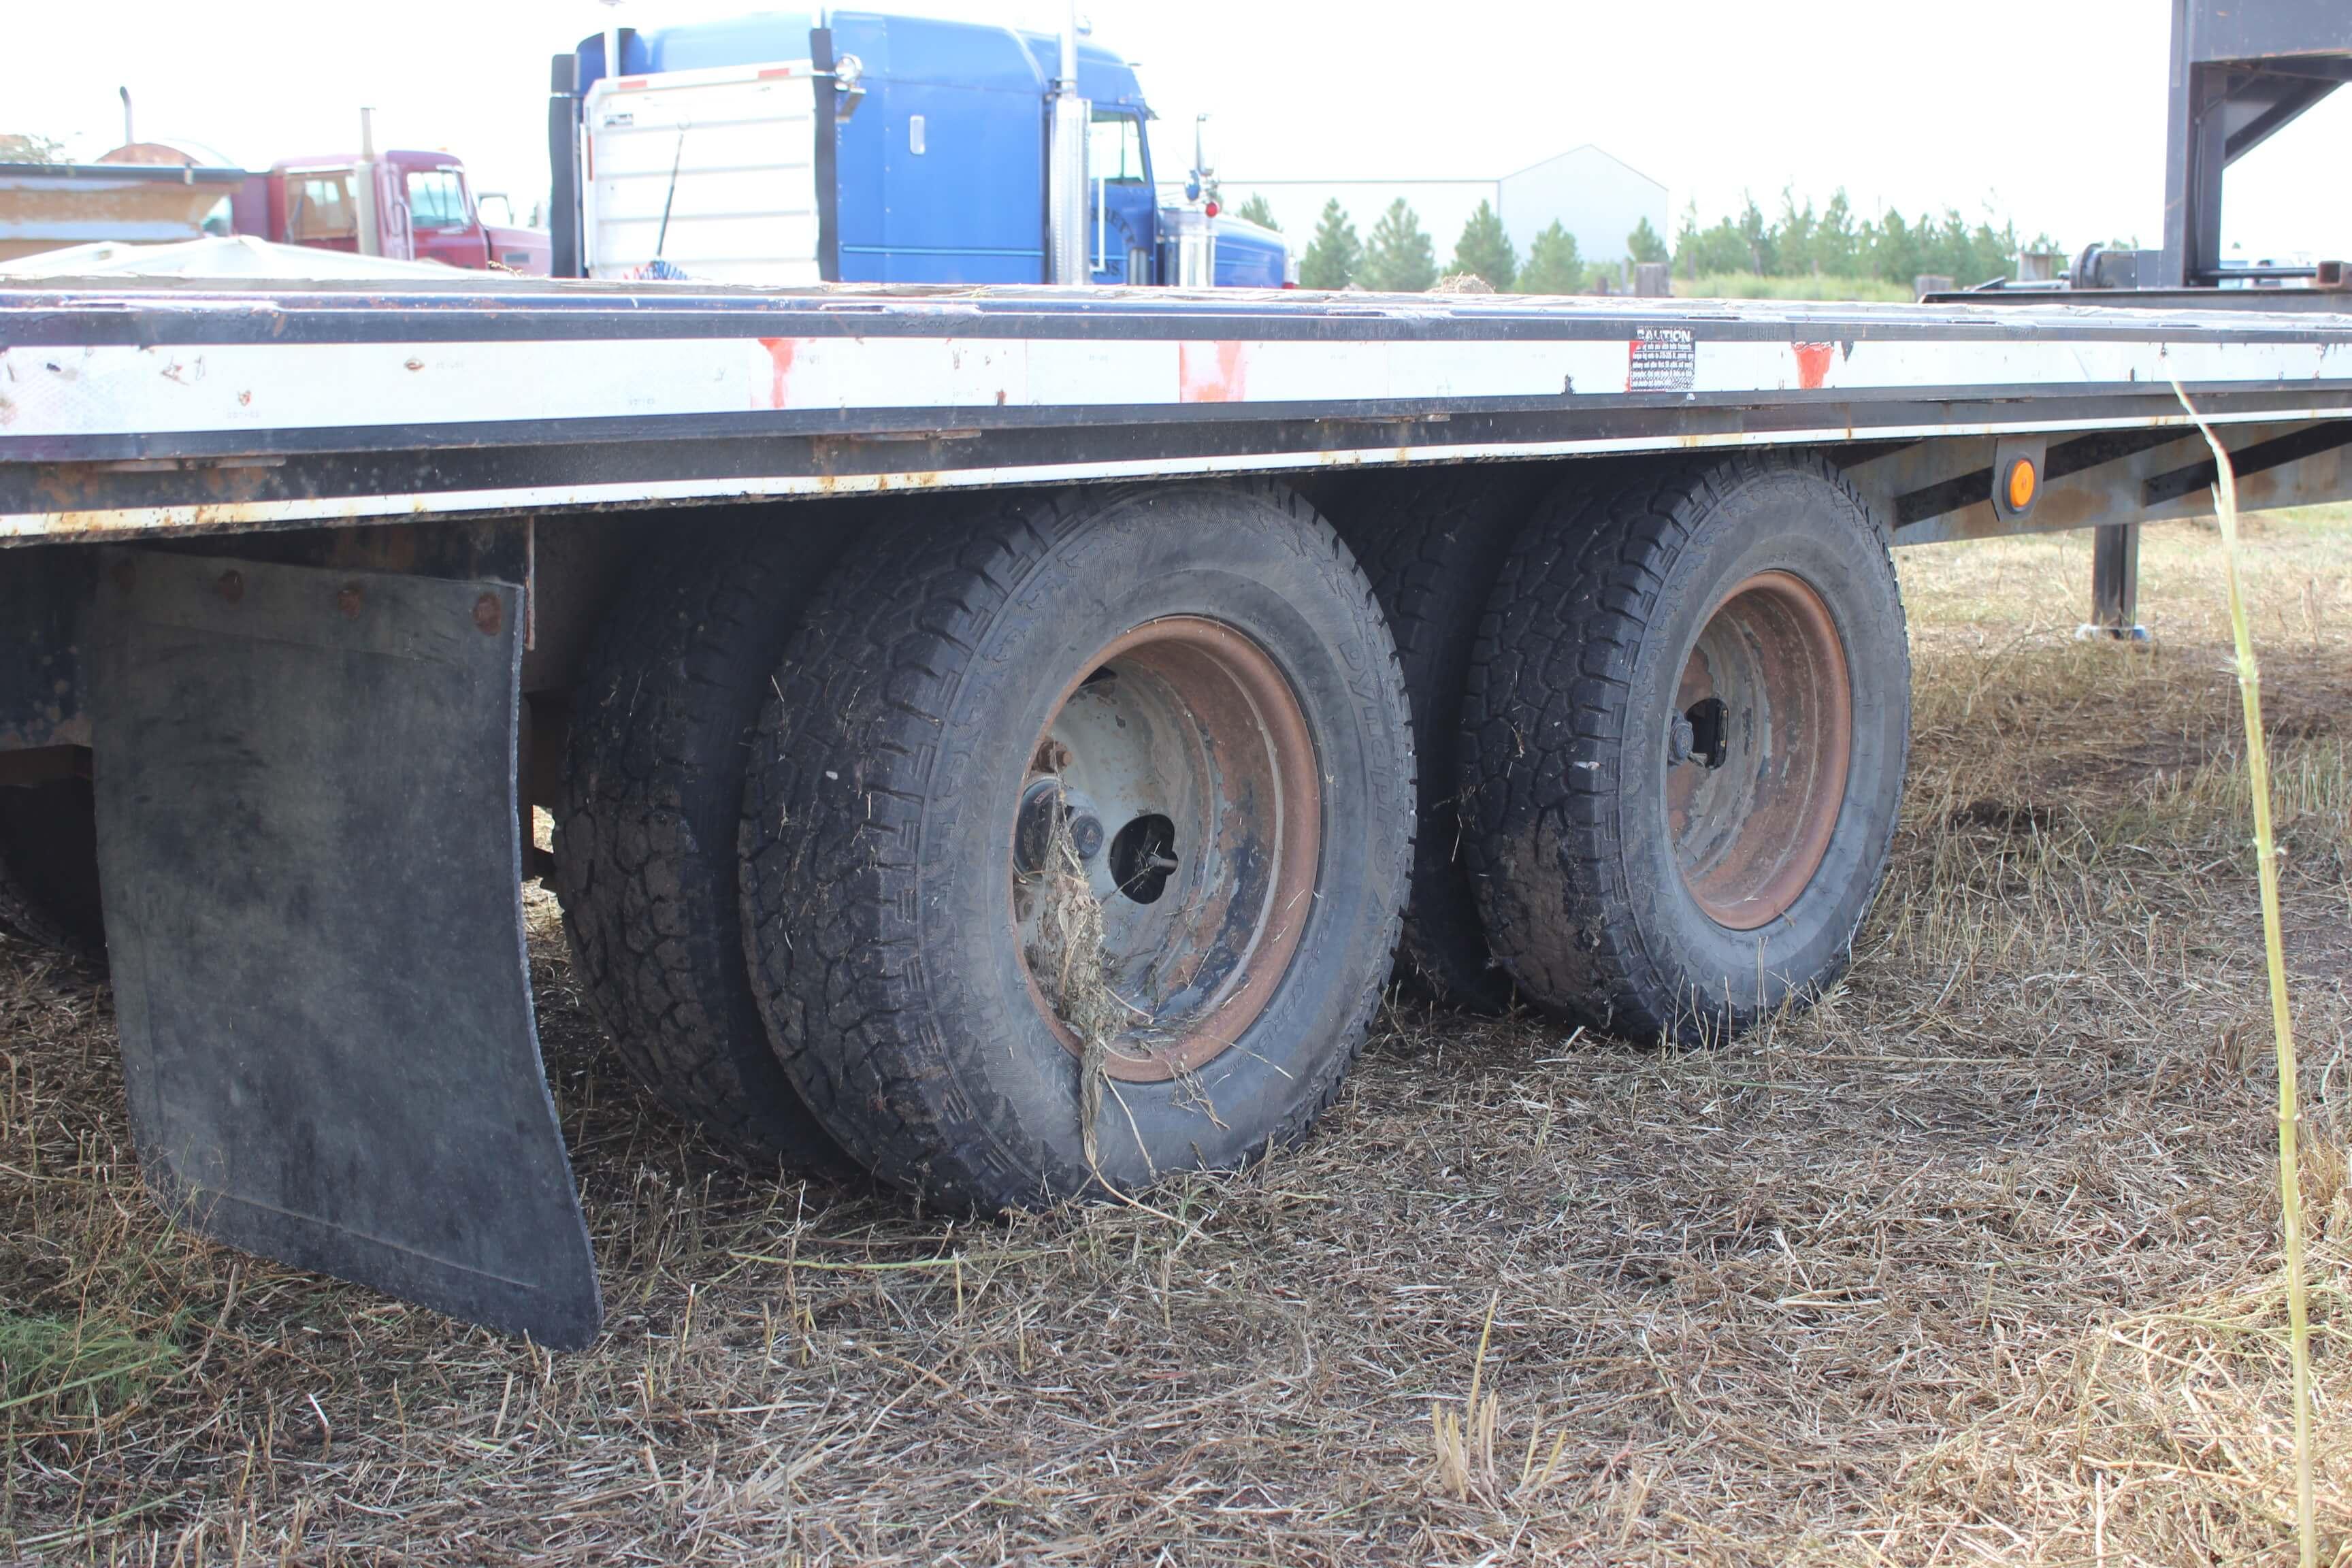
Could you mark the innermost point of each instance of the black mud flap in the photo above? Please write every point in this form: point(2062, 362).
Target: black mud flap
point(309, 850)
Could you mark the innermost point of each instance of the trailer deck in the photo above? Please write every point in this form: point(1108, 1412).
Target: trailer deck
point(138, 410)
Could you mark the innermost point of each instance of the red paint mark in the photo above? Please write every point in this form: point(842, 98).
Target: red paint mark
point(1212, 372)
point(1813, 363)
point(774, 73)
point(780, 359)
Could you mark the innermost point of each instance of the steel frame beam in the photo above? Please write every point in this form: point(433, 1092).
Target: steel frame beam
point(2153, 476)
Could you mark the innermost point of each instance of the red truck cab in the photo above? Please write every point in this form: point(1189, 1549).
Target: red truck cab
point(425, 204)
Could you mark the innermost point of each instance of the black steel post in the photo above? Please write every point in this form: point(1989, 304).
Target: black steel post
point(563, 200)
point(827, 154)
point(2115, 578)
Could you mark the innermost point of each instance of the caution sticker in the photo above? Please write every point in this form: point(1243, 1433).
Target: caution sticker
point(1665, 359)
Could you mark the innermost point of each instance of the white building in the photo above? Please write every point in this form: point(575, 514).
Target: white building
point(1597, 196)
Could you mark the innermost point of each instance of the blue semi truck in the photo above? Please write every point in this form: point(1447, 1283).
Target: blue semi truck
point(852, 146)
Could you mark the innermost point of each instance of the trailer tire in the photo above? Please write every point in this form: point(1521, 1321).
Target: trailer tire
point(1432, 541)
point(1200, 673)
point(644, 843)
point(49, 868)
point(1664, 865)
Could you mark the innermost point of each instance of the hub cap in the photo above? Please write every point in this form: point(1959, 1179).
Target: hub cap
point(1171, 806)
point(1755, 752)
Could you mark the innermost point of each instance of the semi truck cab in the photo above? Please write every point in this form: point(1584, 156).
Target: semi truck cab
point(853, 146)
point(423, 207)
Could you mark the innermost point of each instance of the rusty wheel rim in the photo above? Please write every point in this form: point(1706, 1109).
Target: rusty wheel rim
point(1757, 751)
point(1177, 777)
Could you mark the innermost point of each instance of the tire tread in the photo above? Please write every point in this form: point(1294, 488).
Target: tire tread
point(649, 908)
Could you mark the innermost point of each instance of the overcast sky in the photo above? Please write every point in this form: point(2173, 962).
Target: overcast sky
point(2052, 113)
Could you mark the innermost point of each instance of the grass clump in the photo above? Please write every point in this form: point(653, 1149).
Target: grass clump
point(47, 1361)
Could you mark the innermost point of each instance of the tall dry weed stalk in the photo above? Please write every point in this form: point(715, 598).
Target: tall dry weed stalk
point(1463, 1442)
point(2258, 771)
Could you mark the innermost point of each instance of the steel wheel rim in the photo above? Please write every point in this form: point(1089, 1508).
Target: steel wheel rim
point(1754, 787)
point(1184, 742)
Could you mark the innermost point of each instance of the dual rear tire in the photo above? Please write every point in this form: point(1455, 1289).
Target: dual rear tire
point(1684, 740)
point(1070, 843)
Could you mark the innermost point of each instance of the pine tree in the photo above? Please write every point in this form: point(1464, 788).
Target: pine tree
point(1762, 240)
point(1400, 259)
point(1259, 211)
point(27, 148)
point(1643, 244)
point(1334, 256)
point(1553, 265)
point(1484, 250)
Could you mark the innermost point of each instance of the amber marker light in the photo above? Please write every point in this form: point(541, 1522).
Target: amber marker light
point(2021, 484)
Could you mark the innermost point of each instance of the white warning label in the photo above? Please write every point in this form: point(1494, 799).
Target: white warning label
point(1665, 359)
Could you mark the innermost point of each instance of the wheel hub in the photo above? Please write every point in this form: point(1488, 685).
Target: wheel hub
point(1165, 847)
point(1757, 751)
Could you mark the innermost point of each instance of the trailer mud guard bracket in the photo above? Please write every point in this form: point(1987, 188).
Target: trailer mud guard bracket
point(309, 849)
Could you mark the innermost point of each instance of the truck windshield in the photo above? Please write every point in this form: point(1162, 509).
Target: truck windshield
point(1115, 148)
point(436, 199)
point(319, 205)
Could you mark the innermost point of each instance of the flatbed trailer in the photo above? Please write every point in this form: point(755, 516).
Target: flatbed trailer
point(994, 734)
point(137, 409)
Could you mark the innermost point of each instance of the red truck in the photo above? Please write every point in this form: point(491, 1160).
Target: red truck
point(425, 208)
point(403, 203)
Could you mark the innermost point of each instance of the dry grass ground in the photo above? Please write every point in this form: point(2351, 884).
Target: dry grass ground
point(1976, 1261)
